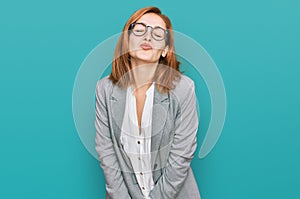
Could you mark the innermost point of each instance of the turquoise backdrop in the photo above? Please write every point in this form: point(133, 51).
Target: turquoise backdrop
point(255, 45)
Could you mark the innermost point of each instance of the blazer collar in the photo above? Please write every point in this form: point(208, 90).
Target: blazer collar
point(159, 116)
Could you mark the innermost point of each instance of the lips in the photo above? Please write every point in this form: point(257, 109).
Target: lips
point(146, 46)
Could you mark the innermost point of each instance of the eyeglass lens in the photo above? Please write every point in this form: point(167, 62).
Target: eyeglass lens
point(139, 29)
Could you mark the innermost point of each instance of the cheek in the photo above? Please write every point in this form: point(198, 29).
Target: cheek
point(133, 43)
point(158, 53)
point(159, 46)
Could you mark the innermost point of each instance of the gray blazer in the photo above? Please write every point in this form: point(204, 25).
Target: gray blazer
point(173, 142)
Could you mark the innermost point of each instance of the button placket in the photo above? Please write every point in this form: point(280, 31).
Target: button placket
point(140, 142)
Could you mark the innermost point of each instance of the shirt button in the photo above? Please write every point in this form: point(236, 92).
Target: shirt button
point(139, 158)
point(141, 173)
point(138, 142)
point(143, 188)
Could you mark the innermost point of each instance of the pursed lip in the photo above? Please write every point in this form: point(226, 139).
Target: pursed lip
point(146, 46)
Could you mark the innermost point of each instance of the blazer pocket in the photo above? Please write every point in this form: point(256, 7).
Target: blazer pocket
point(156, 175)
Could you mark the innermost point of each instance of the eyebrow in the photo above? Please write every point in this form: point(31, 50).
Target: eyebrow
point(148, 25)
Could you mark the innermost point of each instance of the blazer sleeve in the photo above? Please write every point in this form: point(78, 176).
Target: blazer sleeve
point(115, 186)
point(182, 149)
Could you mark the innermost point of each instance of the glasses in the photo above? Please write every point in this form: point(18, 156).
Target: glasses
point(140, 29)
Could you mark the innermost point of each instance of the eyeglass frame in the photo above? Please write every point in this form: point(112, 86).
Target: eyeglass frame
point(166, 36)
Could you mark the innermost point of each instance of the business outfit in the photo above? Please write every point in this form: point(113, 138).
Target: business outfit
point(137, 141)
point(173, 142)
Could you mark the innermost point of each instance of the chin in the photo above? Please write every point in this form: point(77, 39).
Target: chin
point(145, 57)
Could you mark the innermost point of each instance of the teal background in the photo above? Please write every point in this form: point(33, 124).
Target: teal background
point(255, 45)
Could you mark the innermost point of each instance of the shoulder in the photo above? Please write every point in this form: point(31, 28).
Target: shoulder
point(103, 85)
point(184, 86)
point(105, 81)
point(184, 90)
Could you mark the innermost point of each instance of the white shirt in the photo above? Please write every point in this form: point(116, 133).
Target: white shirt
point(138, 145)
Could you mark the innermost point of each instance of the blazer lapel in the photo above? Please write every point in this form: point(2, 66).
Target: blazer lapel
point(118, 102)
point(159, 116)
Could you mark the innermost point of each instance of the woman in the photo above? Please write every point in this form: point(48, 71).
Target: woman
point(146, 118)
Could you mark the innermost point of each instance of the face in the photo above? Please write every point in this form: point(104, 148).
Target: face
point(145, 49)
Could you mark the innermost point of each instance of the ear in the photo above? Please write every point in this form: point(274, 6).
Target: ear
point(165, 51)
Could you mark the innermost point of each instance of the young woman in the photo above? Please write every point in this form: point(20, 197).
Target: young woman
point(146, 118)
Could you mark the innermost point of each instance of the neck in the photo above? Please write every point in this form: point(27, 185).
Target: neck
point(143, 73)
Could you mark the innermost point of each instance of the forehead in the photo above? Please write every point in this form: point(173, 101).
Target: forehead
point(152, 19)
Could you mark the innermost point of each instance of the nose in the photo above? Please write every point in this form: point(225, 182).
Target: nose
point(148, 33)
